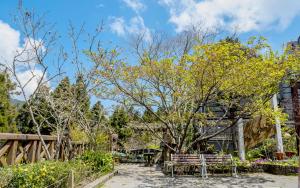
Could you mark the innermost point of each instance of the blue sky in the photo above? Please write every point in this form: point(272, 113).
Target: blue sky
point(277, 20)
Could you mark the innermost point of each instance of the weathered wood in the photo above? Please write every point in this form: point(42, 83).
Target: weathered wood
point(71, 182)
point(32, 151)
point(5, 148)
point(19, 158)
point(13, 136)
point(212, 161)
point(52, 149)
point(29, 148)
point(44, 151)
point(38, 151)
point(3, 161)
point(11, 156)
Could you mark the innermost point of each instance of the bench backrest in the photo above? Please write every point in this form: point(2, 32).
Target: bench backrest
point(217, 159)
point(185, 158)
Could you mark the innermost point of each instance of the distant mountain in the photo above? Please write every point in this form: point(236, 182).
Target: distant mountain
point(17, 102)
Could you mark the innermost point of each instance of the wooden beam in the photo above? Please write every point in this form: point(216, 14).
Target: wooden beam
point(11, 156)
point(38, 151)
point(3, 161)
point(51, 149)
point(13, 136)
point(32, 151)
point(5, 148)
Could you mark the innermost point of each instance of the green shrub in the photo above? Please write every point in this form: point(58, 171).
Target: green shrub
point(101, 162)
point(54, 173)
point(40, 174)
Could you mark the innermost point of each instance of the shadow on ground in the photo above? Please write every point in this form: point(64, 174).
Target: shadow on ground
point(138, 176)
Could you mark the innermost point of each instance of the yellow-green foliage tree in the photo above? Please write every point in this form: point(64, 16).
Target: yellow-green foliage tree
point(7, 110)
point(191, 89)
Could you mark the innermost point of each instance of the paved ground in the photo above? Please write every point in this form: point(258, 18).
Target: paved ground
point(138, 176)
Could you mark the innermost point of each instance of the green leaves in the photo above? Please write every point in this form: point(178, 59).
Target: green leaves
point(216, 80)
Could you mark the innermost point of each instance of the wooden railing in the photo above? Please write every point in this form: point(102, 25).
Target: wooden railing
point(27, 148)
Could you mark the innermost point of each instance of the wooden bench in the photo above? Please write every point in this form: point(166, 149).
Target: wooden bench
point(182, 161)
point(213, 161)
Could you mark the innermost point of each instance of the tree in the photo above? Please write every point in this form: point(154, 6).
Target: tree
point(98, 114)
point(81, 95)
point(7, 110)
point(148, 117)
point(41, 111)
point(214, 85)
point(118, 122)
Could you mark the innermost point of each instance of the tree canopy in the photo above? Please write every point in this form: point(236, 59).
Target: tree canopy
point(214, 84)
point(7, 110)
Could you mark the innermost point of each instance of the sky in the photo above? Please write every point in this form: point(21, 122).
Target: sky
point(277, 20)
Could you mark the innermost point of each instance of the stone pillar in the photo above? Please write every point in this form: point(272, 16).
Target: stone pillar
point(277, 126)
point(240, 138)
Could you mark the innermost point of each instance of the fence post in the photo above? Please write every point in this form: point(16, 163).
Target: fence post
point(12, 154)
point(71, 180)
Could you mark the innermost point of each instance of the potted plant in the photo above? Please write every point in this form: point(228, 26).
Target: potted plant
point(279, 155)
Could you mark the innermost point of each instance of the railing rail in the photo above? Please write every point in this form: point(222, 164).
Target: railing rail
point(27, 148)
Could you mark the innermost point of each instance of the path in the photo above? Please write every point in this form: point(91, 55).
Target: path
point(137, 176)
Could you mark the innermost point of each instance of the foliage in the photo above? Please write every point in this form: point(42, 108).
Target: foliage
point(243, 164)
point(102, 143)
point(119, 121)
point(148, 117)
point(81, 95)
point(47, 173)
point(237, 79)
point(98, 160)
point(78, 135)
point(289, 139)
point(265, 150)
point(98, 114)
point(40, 174)
point(268, 146)
point(41, 111)
point(7, 110)
point(294, 161)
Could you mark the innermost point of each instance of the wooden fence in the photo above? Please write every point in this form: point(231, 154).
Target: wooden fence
point(27, 148)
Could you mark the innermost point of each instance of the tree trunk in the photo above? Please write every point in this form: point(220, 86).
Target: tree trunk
point(240, 135)
point(39, 132)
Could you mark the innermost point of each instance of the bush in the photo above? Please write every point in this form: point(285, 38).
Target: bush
point(40, 174)
point(102, 162)
point(54, 173)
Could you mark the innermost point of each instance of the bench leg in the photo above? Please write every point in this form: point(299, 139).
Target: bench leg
point(172, 171)
point(234, 172)
point(203, 172)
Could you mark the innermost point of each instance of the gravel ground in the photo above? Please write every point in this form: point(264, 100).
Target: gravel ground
point(138, 176)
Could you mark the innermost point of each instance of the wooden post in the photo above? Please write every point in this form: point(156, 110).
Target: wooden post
point(71, 179)
point(38, 151)
point(277, 126)
point(11, 156)
point(32, 151)
point(51, 149)
point(241, 145)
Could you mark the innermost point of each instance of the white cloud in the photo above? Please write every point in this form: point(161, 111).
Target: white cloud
point(100, 5)
point(10, 40)
point(118, 26)
point(243, 15)
point(135, 5)
point(9, 46)
point(136, 26)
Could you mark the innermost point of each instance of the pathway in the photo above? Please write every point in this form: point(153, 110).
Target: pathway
point(138, 176)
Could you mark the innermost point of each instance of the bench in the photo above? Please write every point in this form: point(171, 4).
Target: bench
point(182, 161)
point(213, 160)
